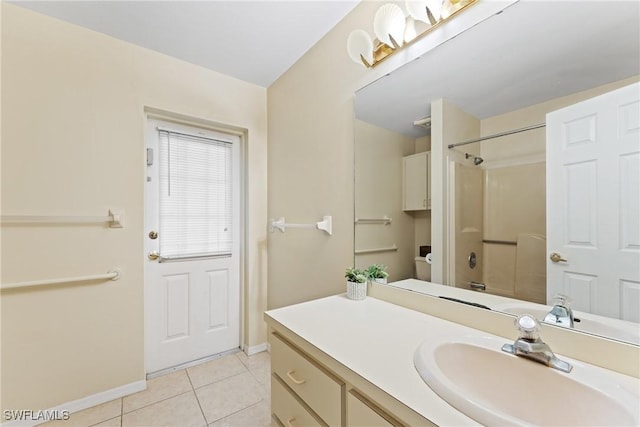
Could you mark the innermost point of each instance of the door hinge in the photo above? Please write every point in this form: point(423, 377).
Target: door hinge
point(149, 156)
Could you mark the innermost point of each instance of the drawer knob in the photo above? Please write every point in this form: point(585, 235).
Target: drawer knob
point(292, 378)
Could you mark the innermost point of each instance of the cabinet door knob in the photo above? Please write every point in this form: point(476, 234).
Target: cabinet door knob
point(292, 378)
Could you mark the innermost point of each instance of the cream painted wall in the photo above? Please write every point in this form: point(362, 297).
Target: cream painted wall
point(311, 152)
point(311, 131)
point(72, 143)
point(378, 191)
point(529, 146)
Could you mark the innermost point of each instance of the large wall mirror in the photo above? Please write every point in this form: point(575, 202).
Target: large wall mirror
point(452, 161)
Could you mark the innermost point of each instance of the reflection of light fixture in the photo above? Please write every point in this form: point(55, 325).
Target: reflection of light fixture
point(394, 27)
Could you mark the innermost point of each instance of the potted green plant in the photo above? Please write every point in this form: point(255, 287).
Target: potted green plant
point(377, 273)
point(356, 283)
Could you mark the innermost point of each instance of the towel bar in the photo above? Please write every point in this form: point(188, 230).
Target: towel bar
point(112, 275)
point(115, 218)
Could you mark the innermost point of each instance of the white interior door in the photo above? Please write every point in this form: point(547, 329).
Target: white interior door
point(593, 203)
point(192, 229)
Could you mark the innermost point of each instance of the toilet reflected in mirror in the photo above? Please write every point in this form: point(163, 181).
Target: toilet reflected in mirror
point(423, 268)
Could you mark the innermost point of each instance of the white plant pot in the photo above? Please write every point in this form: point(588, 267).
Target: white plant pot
point(356, 291)
point(380, 280)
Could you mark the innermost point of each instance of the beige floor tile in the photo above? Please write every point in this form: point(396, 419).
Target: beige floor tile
point(215, 370)
point(258, 415)
point(182, 410)
point(263, 376)
point(113, 422)
point(229, 396)
point(260, 367)
point(90, 416)
point(255, 361)
point(158, 389)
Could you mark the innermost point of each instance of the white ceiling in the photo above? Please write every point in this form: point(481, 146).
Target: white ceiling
point(532, 52)
point(255, 41)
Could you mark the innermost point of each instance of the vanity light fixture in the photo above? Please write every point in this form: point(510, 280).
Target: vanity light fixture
point(395, 27)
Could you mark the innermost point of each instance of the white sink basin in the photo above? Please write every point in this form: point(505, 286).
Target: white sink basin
point(594, 324)
point(495, 388)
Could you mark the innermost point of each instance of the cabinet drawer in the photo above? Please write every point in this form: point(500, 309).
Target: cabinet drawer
point(363, 414)
point(311, 383)
point(287, 409)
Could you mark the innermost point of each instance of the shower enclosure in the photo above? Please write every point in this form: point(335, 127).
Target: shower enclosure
point(500, 223)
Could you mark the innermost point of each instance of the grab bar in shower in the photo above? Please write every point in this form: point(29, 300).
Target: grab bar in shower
point(384, 220)
point(115, 219)
point(500, 242)
point(376, 250)
point(112, 275)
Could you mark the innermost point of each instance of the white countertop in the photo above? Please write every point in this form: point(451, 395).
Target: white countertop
point(376, 340)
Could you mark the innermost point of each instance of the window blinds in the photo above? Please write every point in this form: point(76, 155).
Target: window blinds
point(195, 196)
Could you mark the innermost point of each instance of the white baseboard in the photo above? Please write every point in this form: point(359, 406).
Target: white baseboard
point(251, 350)
point(83, 403)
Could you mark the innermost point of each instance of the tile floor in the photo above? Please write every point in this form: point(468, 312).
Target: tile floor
point(234, 390)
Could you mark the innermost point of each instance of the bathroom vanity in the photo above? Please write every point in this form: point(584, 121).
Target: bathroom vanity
point(340, 362)
point(337, 362)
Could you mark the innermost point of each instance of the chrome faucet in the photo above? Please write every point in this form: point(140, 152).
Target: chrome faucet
point(530, 346)
point(560, 314)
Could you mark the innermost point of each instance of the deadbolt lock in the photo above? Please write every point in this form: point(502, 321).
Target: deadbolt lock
point(153, 235)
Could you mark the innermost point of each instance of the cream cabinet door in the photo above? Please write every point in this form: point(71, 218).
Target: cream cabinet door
point(360, 414)
point(414, 182)
point(288, 410)
point(313, 385)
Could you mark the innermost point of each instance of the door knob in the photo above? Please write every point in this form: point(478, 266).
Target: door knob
point(154, 255)
point(556, 257)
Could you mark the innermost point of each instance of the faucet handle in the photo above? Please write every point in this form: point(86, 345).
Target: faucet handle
point(528, 326)
point(562, 299)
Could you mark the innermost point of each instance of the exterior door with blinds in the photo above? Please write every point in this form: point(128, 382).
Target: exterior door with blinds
point(192, 229)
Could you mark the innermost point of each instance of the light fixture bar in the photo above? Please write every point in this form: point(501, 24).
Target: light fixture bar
point(362, 48)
